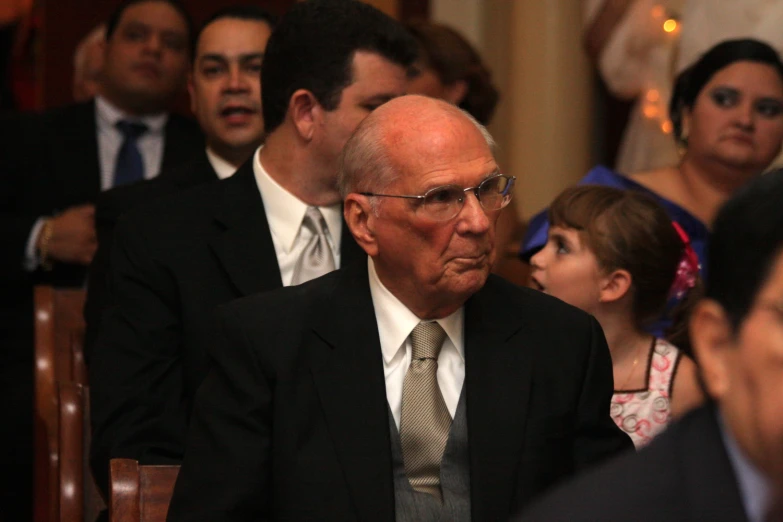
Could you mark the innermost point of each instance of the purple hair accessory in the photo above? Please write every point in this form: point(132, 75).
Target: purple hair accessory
point(688, 267)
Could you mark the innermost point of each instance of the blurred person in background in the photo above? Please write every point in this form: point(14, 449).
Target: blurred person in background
point(54, 164)
point(727, 115)
point(225, 95)
point(87, 64)
point(450, 68)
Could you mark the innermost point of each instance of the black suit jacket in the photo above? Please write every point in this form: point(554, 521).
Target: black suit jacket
point(292, 421)
point(114, 203)
point(49, 162)
point(683, 475)
point(172, 263)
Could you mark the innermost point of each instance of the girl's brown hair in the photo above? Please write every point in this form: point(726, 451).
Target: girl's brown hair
point(625, 230)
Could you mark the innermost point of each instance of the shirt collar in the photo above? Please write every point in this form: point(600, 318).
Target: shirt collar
point(110, 114)
point(396, 321)
point(223, 169)
point(755, 489)
point(285, 212)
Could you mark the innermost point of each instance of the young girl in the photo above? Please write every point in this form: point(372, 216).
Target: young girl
point(617, 255)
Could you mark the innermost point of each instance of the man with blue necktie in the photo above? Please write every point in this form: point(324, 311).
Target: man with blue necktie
point(53, 166)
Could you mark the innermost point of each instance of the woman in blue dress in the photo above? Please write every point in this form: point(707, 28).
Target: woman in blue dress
point(727, 115)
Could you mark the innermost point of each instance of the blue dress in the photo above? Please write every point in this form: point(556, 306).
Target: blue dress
point(538, 228)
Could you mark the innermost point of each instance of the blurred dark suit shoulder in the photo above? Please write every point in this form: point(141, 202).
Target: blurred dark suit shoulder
point(684, 474)
point(110, 206)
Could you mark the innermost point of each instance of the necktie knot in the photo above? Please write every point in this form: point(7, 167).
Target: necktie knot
point(316, 259)
point(427, 340)
point(131, 129)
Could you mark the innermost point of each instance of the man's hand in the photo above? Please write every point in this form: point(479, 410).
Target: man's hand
point(73, 238)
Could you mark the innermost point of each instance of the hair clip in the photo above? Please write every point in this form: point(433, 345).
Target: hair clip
point(688, 267)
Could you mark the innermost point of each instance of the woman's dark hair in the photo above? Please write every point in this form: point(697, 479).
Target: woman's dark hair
point(746, 241)
point(692, 80)
point(452, 58)
point(625, 230)
point(313, 47)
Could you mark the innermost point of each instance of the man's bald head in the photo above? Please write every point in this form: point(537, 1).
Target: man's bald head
point(400, 131)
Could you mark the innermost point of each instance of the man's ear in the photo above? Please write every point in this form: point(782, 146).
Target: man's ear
point(360, 218)
point(305, 113)
point(615, 286)
point(713, 346)
point(191, 93)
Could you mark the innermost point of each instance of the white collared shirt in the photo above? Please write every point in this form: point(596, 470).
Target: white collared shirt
point(395, 324)
point(285, 213)
point(110, 140)
point(222, 168)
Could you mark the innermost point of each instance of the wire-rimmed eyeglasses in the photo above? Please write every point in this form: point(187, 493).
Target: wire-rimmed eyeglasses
point(444, 203)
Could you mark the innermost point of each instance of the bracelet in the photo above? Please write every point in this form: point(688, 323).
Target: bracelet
point(47, 230)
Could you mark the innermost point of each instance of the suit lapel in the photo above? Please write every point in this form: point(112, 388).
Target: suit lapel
point(182, 141)
point(242, 242)
point(74, 142)
point(498, 377)
point(347, 369)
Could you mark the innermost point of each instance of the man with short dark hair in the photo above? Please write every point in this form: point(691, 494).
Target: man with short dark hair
point(275, 222)
point(225, 95)
point(54, 165)
point(412, 385)
point(724, 461)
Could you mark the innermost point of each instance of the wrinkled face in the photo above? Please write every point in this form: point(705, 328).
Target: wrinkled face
point(421, 260)
point(225, 85)
point(737, 119)
point(750, 392)
point(376, 80)
point(146, 58)
point(567, 269)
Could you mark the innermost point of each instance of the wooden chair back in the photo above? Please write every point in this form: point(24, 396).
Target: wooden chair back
point(59, 335)
point(78, 498)
point(140, 493)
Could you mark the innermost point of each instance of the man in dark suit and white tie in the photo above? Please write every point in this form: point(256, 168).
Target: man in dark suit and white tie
point(277, 221)
point(724, 461)
point(225, 95)
point(411, 385)
point(52, 167)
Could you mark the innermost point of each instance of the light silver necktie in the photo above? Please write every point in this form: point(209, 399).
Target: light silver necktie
point(425, 421)
point(316, 259)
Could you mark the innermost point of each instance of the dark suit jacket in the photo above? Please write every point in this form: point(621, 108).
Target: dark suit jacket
point(112, 204)
point(172, 263)
point(292, 421)
point(49, 162)
point(684, 474)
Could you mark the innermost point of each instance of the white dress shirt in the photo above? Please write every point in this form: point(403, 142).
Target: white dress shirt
point(285, 213)
point(222, 168)
point(110, 140)
point(395, 324)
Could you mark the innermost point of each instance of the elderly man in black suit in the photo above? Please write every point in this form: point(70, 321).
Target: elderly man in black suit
point(411, 385)
point(225, 95)
point(724, 461)
point(52, 167)
point(277, 221)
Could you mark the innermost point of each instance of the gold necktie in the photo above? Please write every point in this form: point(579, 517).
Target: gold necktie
point(425, 421)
